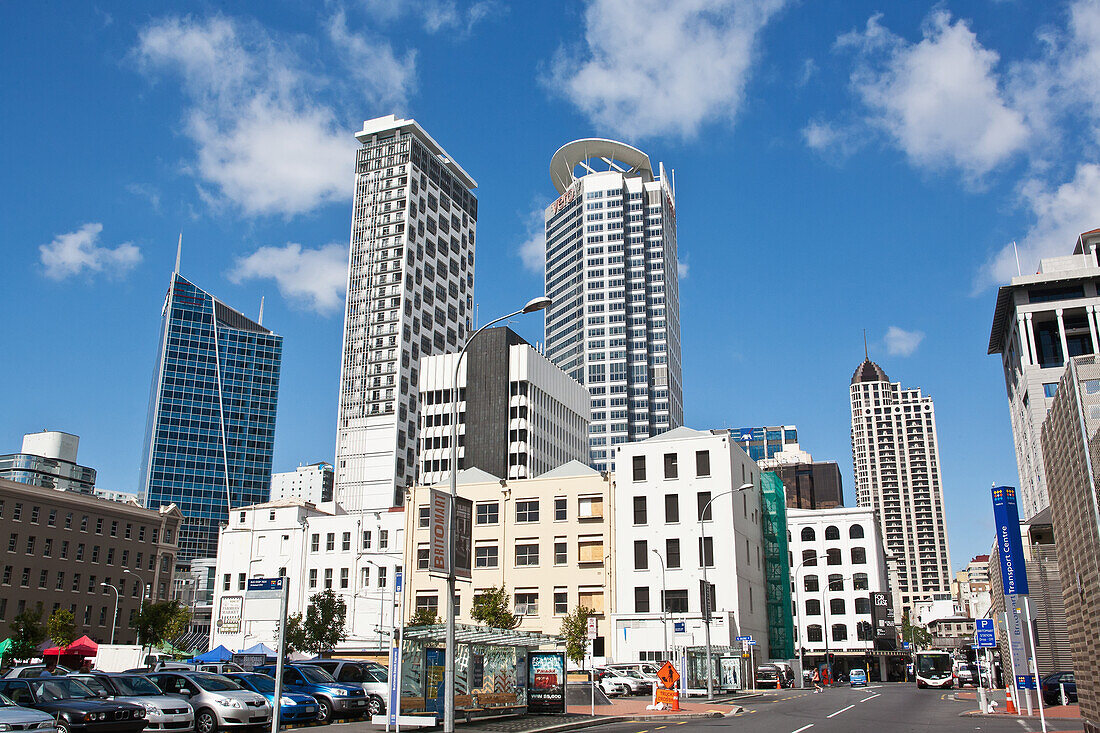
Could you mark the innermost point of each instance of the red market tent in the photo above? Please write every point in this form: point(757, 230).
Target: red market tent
point(83, 647)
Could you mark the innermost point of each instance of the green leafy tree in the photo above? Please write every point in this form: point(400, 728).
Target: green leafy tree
point(162, 621)
point(424, 617)
point(27, 632)
point(492, 607)
point(574, 629)
point(61, 628)
point(295, 637)
point(918, 636)
point(325, 622)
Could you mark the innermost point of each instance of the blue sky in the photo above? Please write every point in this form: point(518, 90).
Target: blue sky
point(840, 166)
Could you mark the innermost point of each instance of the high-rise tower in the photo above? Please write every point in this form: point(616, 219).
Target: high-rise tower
point(410, 293)
point(897, 473)
point(211, 424)
point(611, 270)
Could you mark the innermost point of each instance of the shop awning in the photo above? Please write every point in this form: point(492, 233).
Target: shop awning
point(468, 634)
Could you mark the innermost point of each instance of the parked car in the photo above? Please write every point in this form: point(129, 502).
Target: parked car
point(75, 708)
point(162, 712)
point(1052, 688)
point(34, 670)
point(966, 674)
point(611, 684)
point(768, 676)
point(334, 699)
point(857, 677)
point(293, 708)
point(218, 667)
point(219, 702)
point(643, 670)
point(633, 681)
point(17, 717)
point(371, 676)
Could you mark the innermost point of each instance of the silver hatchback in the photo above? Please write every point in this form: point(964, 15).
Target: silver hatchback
point(219, 702)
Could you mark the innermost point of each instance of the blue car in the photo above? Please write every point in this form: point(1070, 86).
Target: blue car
point(294, 707)
point(858, 677)
point(334, 699)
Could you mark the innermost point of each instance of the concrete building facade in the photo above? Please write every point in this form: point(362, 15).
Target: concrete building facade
point(611, 270)
point(897, 474)
point(518, 414)
point(409, 295)
point(312, 484)
point(48, 459)
point(971, 589)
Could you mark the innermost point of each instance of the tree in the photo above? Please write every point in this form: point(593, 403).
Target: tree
point(295, 637)
point(918, 636)
point(61, 628)
point(326, 618)
point(491, 607)
point(162, 621)
point(574, 628)
point(27, 632)
point(424, 617)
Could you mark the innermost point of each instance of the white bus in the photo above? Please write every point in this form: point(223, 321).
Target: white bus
point(933, 669)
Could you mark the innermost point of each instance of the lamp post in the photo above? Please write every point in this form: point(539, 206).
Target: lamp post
point(801, 655)
point(114, 618)
point(381, 606)
point(533, 306)
point(706, 585)
point(664, 600)
point(141, 598)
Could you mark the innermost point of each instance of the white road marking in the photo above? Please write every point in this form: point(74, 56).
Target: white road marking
point(1023, 725)
point(805, 727)
point(872, 697)
point(838, 712)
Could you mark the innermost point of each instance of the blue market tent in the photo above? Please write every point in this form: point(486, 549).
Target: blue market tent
point(260, 648)
point(219, 654)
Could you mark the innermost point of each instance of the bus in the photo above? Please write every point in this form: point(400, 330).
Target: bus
point(933, 669)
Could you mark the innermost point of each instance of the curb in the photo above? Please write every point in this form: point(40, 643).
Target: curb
point(1008, 716)
point(606, 720)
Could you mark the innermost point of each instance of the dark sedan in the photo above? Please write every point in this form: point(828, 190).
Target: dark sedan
point(1053, 684)
point(77, 708)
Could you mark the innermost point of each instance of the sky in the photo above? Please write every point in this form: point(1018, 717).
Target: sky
point(840, 166)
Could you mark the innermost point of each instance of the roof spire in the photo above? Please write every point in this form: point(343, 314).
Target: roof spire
point(179, 251)
point(260, 321)
point(866, 355)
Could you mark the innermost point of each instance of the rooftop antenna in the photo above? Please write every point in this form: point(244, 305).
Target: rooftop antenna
point(1017, 253)
point(260, 321)
point(866, 355)
point(179, 250)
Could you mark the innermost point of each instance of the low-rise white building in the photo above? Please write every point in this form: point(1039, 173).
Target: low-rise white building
point(354, 555)
point(312, 483)
point(837, 562)
point(681, 513)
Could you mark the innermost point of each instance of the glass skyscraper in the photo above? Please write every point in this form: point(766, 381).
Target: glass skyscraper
point(211, 425)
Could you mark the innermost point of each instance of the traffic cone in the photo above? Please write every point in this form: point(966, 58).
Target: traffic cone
point(1010, 704)
point(777, 685)
point(675, 701)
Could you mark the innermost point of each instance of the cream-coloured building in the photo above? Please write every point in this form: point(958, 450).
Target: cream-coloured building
point(546, 540)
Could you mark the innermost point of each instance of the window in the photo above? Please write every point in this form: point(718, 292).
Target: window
point(35, 511)
point(486, 556)
point(859, 581)
point(315, 543)
point(702, 463)
point(676, 601)
point(640, 514)
point(64, 549)
point(561, 509)
point(590, 550)
point(706, 552)
point(328, 578)
point(859, 556)
point(114, 528)
point(809, 558)
point(863, 606)
point(561, 551)
point(527, 510)
point(810, 584)
point(561, 602)
point(422, 558)
point(836, 582)
point(704, 509)
point(808, 534)
point(99, 525)
point(488, 513)
point(383, 539)
point(840, 632)
point(813, 633)
point(1050, 389)
point(424, 517)
point(50, 522)
point(527, 554)
point(671, 468)
point(672, 552)
point(17, 514)
point(240, 581)
point(226, 580)
point(832, 533)
point(366, 541)
point(330, 542)
point(365, 580)
point(590, 507)
point(343, 577)
point(428, 603)
point(855, 532)
point(813, 607)
point(832, 556)
point(836, 606)
point(639, 468)
point(527, 604)
point(345, 541)
point(641, 599)
point(672, 509)
point(641, 555)
point(13, 542)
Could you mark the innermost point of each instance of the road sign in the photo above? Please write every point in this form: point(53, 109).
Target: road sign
point(398, 579)
point(592, 628)
point(983, 624)
point(985, 639)
point(1025, 681)
point(744, 638)
point(679, 627)
point(668, 676)
point(265, 588)
point(905, 645)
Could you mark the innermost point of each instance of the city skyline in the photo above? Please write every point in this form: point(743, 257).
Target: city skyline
point(760, 359)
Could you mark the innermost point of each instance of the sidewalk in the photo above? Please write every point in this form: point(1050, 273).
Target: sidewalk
point(636, 707)
point(1059, 713)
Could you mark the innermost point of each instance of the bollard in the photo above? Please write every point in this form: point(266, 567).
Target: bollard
point(1065, 700)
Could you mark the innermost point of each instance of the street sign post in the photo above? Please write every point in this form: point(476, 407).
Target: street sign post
point(592, 628)
point(679, 627)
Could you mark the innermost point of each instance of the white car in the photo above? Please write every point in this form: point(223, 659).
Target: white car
point(633, 681)
point(15, 717)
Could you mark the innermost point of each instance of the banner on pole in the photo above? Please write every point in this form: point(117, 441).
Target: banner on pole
point(439, 524)
point(1006, 515)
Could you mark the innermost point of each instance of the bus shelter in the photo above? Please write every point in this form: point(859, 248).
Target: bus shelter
point(493, 670)
point(727, 668)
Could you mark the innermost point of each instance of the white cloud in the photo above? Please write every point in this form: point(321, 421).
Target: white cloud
point(76, 253)
point(650, 67)
point(147, 192)
point(313, 278)
point(264, 142)
point(682, 269)
point(384, 78)
point(532, 250)
point(900, 342)
point(435, 15)
point(939, 99)
point(1060, 215)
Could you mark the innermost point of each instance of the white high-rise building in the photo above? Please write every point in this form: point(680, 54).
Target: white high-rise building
point(519, 415)
point(897, 473)
point(1041, 320)
point(611, 270)
point(410, 294)
point(312, 483)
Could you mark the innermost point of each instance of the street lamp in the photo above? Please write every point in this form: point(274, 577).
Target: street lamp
point(706, 585)
point(114, 618)
point(801, 655)
point(533, 306)
point(664, 600)
point(141, 599)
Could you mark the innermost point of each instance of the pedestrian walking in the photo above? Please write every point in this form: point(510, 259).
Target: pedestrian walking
point(816, 680)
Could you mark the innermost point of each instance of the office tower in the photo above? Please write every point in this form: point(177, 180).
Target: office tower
point(410, 295)
point(611, 270)
point(312, 483)
point(1071, 449)
point(211, 422)
point(519, 415)
point(808, 484)
point(761, 443)
point(897, 473)
point(48, 459)
point(1039, 320)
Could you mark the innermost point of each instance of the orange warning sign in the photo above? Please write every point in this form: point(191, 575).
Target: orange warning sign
point(668, 676)
point(666, 696)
